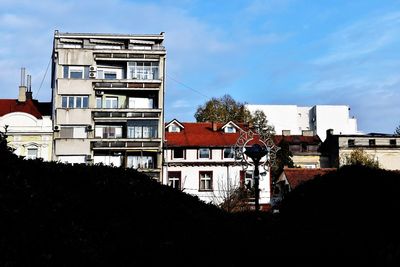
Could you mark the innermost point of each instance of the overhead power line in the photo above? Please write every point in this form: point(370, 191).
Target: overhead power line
point(188, 87)
point(48, 65)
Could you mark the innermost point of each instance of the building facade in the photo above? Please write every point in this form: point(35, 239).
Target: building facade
point(27, 123)
point(318, 118)
point(384, 148)
point(108, 98)
point(199, 160)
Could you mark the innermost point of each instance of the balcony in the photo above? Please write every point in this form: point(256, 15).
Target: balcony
point(123, 114)
point(126, 144)
point(126, 84)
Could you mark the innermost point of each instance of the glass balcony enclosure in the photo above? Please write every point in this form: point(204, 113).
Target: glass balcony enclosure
point(132, 70)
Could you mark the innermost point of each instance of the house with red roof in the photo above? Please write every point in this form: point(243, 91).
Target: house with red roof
point(27, 124)
point(290, 178)
point(199, 159)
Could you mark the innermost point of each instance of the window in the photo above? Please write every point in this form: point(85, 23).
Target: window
point(174, 179)
point(230, 129)
point(99, 102)
point(140, 162)
point(371, 142)
point(304, 147)
point(393, 142)
point(248, 179)
point(76, 72)
point(140, 102)
point(143, 70)
point(351, 142)
point(73, 132)
point(204, 153)
point(143, 129)
point(75, 101)
point(108, 131)
point(32, 153)
point(111, 102)
point(110, 75)
point(205, 181)
point(229, 153)
point(174, 129)
point(178, 153)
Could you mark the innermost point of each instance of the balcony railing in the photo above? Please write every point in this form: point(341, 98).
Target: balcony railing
point(143, 84)
point(127, 144)
point(151, 113)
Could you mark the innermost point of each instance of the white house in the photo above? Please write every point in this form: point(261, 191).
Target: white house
point(318, 118)
point(199, 160)
point(28, 125)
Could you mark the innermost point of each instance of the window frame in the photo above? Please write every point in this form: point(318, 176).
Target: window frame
point(71, 101)
point(173, 177)
point(32, 149)
point(210, 179)
point(204, 149)
point(113, 100)
point(183, 153)
point(232, 152)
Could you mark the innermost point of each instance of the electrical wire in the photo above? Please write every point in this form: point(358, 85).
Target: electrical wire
point(188, 87)
point(41, 83)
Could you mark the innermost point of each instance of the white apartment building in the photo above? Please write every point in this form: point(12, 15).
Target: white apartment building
point(108, 98)
point(318, 118)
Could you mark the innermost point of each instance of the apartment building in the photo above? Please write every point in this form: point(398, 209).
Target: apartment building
point(319, 118)
point(385, 148)
point(108, 98)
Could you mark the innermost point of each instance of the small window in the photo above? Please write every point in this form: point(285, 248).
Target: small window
point(205, 181)
point(248, 179)
point(393, 142)
point(178, 153)
point(99, 102)
point(111, 102)
point(204, 153)
point(74, 72)
point(174, 179)
point(74, 101)
point(351, 142)
point(229, 153)
point(174, 129)
point(371, 142)
point(32, 153)
point(110, 75)
point(230, 129)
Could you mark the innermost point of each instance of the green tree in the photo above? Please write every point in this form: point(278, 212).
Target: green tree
point(359, 157)
point(260, 122)
point(283, 158)
point(223, 109)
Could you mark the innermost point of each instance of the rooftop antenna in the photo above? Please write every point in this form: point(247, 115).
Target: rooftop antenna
point(29, 83)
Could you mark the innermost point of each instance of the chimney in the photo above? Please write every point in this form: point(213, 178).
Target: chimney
point(28, 93)
point(329, 132)
point(22, 87)
point(214, 126)
point(307, 132)
point(285, 132)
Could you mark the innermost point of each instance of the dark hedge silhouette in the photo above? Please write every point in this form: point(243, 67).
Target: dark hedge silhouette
point(54, 214)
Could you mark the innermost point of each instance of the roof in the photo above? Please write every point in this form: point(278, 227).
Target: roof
point(200, 134)
point(296, 176)
point(32, 107)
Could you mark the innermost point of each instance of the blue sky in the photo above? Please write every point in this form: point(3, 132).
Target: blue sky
point(258, 51)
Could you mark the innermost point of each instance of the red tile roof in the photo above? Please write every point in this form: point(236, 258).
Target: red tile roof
point(296, 176)
point(200, 134)
point(12, 105)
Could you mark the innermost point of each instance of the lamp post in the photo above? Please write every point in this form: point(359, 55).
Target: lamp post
point(256, 152)
point(262, 146)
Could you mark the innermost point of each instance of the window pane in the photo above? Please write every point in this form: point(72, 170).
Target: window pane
point(110, 75)
point(78, 102)
point(71, 102)
point(32, 153)
point(64, 102)
point(98, 102)
point(204, 153)
point(178, 153)
point(76, 74)
point(85, 103)
point(228, 153)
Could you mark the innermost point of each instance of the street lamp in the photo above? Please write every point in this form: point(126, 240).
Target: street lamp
point(256, 152)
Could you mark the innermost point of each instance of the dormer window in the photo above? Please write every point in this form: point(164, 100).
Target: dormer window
point(230, 129)
point(174, 129)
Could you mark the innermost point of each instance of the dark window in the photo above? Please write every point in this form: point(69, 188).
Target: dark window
point(205, 180)
point(174, 179)
point(229, 153)
point(351, 142)
point(204, 153)
point(393, 142)
point(304, 147)
point(371, 142)
point(178, 153)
